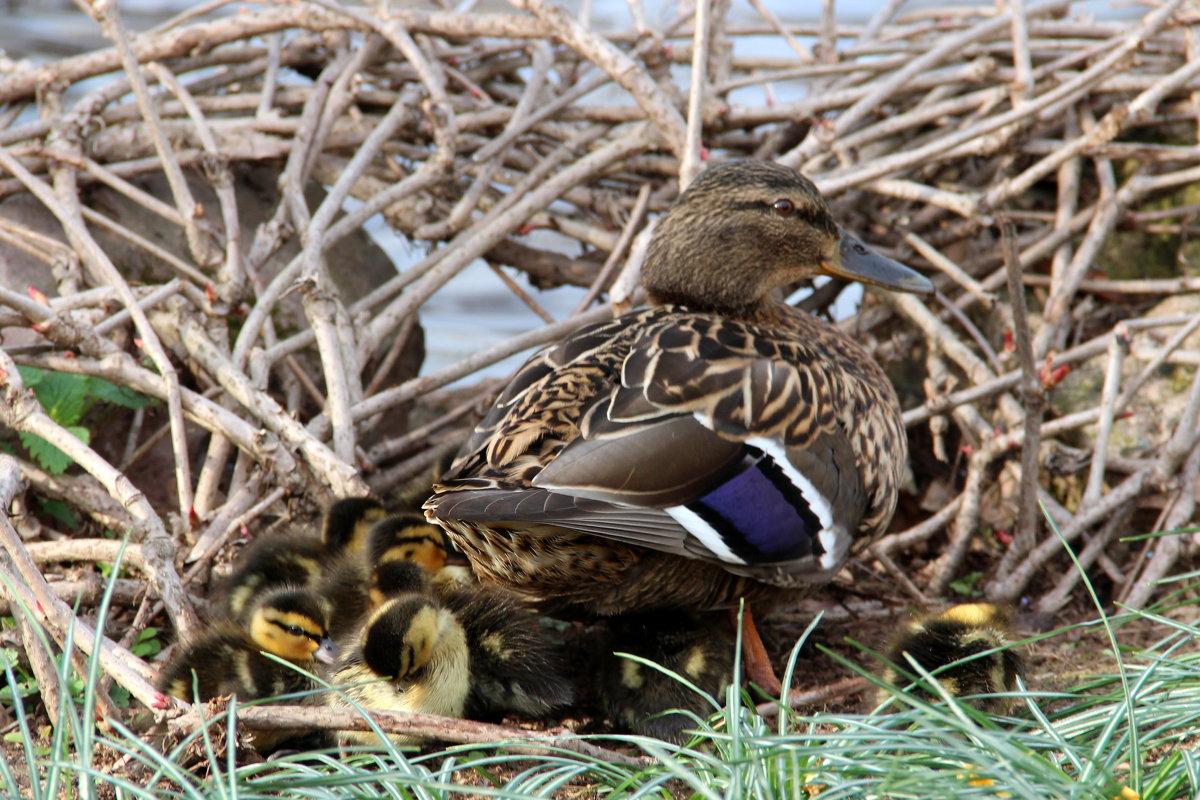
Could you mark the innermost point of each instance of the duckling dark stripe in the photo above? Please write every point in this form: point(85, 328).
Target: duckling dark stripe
point(760, 515)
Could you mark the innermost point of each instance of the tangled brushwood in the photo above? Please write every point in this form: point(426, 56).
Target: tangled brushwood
point(199, 337)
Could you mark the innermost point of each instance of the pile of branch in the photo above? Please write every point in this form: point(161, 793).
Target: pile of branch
point(931, 132)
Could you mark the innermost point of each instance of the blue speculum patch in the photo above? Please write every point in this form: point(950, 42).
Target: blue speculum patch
point(760, 514)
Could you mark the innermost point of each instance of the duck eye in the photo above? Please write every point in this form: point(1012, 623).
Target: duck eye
point(294, 630)
point(783, 206)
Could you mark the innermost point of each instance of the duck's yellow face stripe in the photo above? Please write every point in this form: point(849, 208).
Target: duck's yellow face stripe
point(287, 634)
point(419, 640)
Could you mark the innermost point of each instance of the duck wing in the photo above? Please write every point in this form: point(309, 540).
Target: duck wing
point(684, 433)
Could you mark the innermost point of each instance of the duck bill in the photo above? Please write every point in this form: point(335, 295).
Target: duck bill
point(857, 262)
point(327, 653)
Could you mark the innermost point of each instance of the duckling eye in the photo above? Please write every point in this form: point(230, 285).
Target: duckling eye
point(783, 206)
point(294, 630)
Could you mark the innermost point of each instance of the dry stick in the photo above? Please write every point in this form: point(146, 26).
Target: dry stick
point(412, 389)
point(689, 159)
point(337, 476)
point(1068, 202)
point(950, 269)
point(231, 278)
point(838, 181)
point(478, 239)
point(426, 175)
point(226, 530)
point(126, 668)
point(1052, 601)
point(919, 532)
point(944, 568)
point(1056, 315)
point(86, 592)
point(1141, 586)
point(803, 154)
point(109, 17)
point(1157, 361)
point(779, 28)
point(1117, 119)
point(824, 694)
point(618, 252)
point(623, 70)
point(410, 440)
point(1182, 441)
point(1117, 349)
point(1033, 399)
point(431, 726)
point(66, 210)
point(1023, 87)
point(22, 412)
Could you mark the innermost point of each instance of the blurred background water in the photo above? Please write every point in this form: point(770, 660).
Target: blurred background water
point(474, 310)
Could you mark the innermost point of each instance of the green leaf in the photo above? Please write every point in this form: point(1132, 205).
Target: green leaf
point(965, 585)
point(107, 392)
point(60, 511)
point(146, 644)
point(31, 376)
point(64, 396)
point(49, 456)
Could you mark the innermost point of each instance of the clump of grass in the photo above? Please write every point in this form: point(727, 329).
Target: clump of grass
point(1126, 734)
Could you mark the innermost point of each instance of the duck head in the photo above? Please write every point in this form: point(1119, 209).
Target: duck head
point(743, 230)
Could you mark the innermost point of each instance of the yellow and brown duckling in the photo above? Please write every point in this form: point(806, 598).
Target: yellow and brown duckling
point(716, 445)
point(411, 655)
point(966, 648)
point(700, 649)
point(227, 658)
point(361, 581)
point(298, 556)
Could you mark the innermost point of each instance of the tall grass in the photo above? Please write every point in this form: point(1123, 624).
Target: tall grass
point(1128, 733)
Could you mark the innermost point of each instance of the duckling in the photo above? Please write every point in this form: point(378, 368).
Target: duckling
point(290, 623)
point(297, 556)
point(699, 648)
point(948, 646)
point(515, 667)
point(718, 445)
point(359, 582)
point(412, 656)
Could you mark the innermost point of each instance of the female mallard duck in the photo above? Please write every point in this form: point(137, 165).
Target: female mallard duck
point(716, 445)
point(967, 648)
point(298, 556)
point(411, 656)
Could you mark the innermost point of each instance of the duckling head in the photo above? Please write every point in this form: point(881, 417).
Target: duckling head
point(401, 636)
point(293, 624)
point(745, 229)
point(348, 523)
point(391, 579)
point(954, 646)
point(410, 538)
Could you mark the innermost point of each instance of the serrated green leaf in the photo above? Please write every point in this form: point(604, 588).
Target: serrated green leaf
point(107, 392)
point(64, 396)
point(47, 455)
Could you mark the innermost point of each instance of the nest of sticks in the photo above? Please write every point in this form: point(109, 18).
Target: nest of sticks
point(180, 201)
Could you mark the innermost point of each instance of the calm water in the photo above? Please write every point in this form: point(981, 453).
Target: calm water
point(474, 310)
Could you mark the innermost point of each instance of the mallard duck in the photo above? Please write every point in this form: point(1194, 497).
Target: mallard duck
point(716, 445)
point(949, 646)
point(412, 656)
point(698, 648)
point(298, 556)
